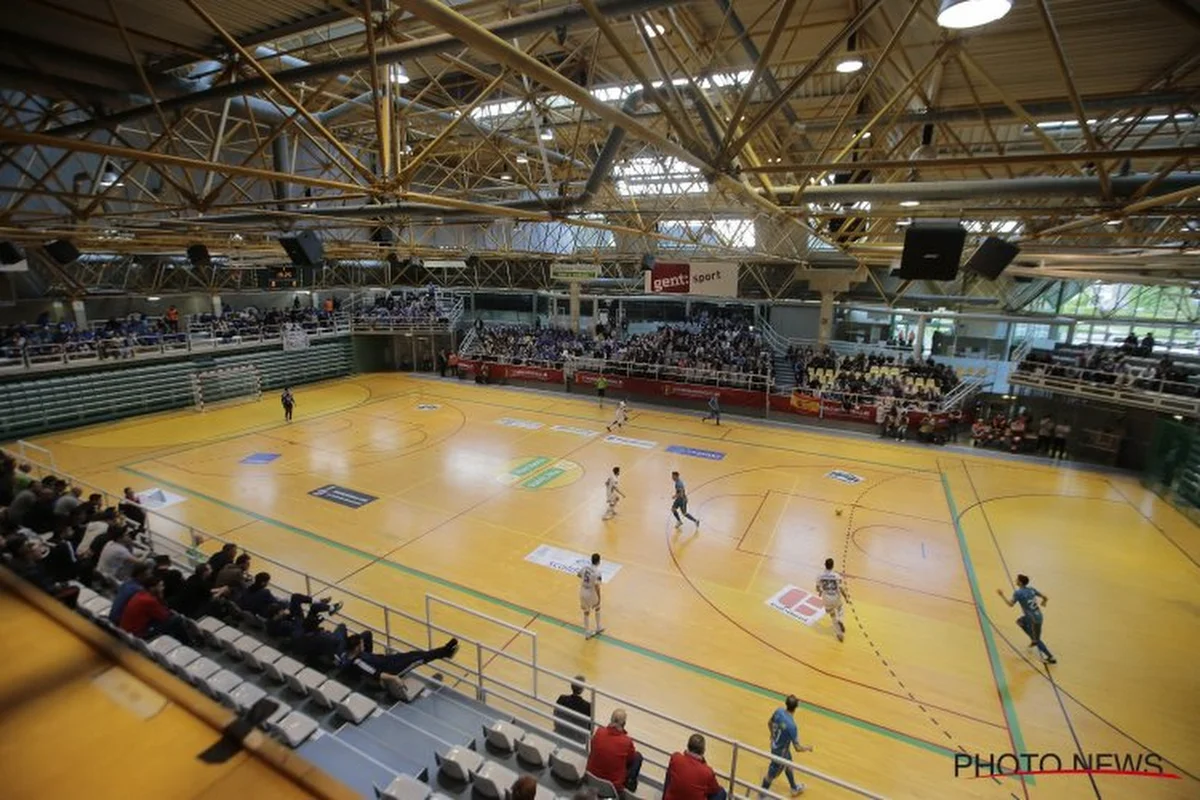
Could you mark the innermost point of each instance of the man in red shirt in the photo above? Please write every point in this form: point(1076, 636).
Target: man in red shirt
point(689, 777)
point(146, 615)
point(613, 757)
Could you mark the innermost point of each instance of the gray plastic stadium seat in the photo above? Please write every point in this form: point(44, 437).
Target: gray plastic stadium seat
point(503, 735)
point(304, 681)
point(535, 750)
point(493, 780)
point(161, 647)
point(227, 638)
point(261, 656)
point(279, 669)
point(355, 707)
point(602, 788)
point(208, 627)
point(246, 695)
point(178, 659)
point(295, 728)
point(222, 684)
point(98, 607)
point(200, 670)
point(329, 693)
point(459, 763)
point(246, 644)
point(404, 787)
point(568, 766)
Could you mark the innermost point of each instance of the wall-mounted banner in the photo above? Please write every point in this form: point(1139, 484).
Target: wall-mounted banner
point(711, 278)
point(574, 272)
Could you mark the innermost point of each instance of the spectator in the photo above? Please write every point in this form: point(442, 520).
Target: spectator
point(689, 777)
point(27, 554)
point(387, 668)
point(1147, 344)
point(172, 578)
point(235, 576)
point(573, 714)
point(117, 560)
point(146, 616)
point(613, 757)
point(1130, 344)
point(131, 507)
point(1059, 448)
point(61, 562)
point(23, 503)
point(222, 557)
point(1045, 434)
point(67, 502)
point(523, 788)
point(196, 596)
point(126, 591)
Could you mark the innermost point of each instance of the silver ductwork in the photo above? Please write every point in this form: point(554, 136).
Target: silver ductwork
point(1072, 186)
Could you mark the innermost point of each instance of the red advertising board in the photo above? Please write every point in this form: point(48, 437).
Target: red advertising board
point(802, 403)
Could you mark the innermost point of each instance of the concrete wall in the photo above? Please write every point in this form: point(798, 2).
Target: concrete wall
point(796, 322)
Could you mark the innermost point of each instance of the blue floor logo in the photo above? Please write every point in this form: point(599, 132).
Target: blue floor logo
point(260, 458)
point(709, 455)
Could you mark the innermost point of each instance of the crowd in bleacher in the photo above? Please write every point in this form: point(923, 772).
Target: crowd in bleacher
point(711, 343)
point(1132, 365)
point(870, 375)
point(409, 308)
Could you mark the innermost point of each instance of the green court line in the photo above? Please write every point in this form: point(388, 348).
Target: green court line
point(1010, 711)
point(696, 669)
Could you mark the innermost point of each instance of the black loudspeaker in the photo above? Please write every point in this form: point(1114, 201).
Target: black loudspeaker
point(932, 251)
point(199, 256)
point(62, 251)
point(9, 254)
point(992, 257)
point(305, 249)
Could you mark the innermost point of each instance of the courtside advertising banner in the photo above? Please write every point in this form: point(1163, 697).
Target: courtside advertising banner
point(710, 278)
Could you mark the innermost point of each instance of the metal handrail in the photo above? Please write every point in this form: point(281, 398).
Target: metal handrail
point(311, 585)
point(753, 381)
point(1126, 395)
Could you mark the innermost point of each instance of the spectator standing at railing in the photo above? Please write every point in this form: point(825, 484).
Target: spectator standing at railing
point(172, 319)
point(1059, 448)
point(573, 714)
point(1045, 434)
point(689, 777)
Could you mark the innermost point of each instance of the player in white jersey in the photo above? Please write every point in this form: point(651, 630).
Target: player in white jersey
point(613, 490)
point(832, 589)
point(621, 418)
point(589, 596)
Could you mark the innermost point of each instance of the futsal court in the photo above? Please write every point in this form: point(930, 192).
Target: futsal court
point(468, 481)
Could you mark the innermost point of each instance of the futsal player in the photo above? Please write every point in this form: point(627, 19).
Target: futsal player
point(832, 589)
point(621, 418)
point(714, 410)
point(784, 736)
point(589, 596)
point(613, 490)
point(1030, 620)
point(681, 502)
point(289, 402)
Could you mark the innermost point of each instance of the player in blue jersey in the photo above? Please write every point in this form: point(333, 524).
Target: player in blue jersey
point(785, 735)
point(680, 503)
point(714, 410)
point(1031, 617)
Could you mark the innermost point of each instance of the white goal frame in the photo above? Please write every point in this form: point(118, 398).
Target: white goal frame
point(254, 384)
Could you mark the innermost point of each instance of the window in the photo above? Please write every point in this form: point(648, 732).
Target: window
point(729, 233)
point(658, 176)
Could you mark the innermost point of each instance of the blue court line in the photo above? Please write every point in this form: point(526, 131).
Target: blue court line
point(1010, 711)
point(729, 680)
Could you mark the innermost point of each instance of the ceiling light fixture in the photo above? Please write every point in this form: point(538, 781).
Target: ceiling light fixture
point(910, 203)
point(506, 177)
point(110, 177)
point(522, 158)
point(398, 75)
point(959, 14)
point(850, 64)
point(547, 133)
point(653, 30)
point(1113, 222)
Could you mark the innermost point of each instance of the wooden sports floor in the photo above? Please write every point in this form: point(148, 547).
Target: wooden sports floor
point(470, 480)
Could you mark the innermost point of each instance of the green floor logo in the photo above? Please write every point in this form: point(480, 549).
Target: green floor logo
point(541, 472)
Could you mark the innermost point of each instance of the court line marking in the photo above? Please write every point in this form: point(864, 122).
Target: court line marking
point(1006, 703)
point(831, 713)
point(1155, 525)
point(676, 415)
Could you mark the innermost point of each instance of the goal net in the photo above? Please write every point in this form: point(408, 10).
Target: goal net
point(294, 337)
point(230, 384)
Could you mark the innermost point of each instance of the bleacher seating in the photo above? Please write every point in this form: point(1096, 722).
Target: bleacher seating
point(441, 744)
point(871, 375)
point(1119, 368)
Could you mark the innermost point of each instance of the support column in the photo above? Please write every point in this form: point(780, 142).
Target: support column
point(574, 304)
point(1008, 341)
point(79, 312)
point(919, 341)
point(216, 305)
point(825, 326)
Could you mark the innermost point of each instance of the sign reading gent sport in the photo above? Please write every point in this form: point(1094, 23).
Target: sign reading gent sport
point(698, 277)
